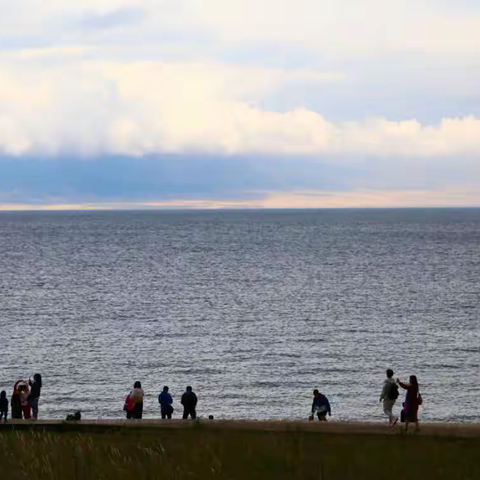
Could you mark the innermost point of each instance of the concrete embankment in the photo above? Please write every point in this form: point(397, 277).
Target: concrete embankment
point(345, 428)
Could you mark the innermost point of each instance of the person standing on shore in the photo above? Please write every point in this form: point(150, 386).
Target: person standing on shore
point(136, 397)
point(24, 394)
point(320, 406)
point(128, 405)
point(189, 402)
point(165, 400)
point(3, 406)
point(389, 396)
point(15, 402)
point(412, 401)
point(34, 395)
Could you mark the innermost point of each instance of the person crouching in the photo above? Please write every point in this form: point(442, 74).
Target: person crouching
point(320, 406)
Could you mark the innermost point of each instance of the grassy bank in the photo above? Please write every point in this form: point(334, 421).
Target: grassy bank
point(197, 452)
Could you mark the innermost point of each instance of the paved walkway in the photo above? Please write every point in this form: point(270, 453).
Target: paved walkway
point(438, 429)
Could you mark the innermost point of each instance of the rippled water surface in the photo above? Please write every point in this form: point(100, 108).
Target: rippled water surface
point(253, 309)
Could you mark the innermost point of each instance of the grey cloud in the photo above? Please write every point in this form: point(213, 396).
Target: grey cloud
point(222, 178)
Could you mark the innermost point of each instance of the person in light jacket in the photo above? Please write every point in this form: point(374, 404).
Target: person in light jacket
point(136, 397)
point(389, 396)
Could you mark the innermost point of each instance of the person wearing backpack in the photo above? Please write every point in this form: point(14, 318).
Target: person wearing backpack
point(165, 400)
point(389, 396)
point(134, 402)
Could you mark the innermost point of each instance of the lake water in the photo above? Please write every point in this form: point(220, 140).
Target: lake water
point(254, 309)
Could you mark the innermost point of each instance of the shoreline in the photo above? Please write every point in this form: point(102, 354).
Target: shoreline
point(236, 450)
point(458, 430)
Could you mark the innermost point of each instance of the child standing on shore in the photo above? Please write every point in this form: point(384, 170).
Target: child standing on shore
point(3, 406)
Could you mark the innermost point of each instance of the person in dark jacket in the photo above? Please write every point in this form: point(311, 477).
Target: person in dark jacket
point(34, 395)
point(16, 402)
point(165, 400)
point(189, 402)
point(320, 406)
point(3, 406)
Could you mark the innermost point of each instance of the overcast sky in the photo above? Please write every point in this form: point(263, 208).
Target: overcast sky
point(239, 103)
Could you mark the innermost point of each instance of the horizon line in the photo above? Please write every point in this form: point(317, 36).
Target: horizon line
point(47, 209)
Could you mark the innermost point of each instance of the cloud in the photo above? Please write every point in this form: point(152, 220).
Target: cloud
point(90, 107)
point(340, 28)
point(344, 26)
point(384, 92)
point(335, 28)
point(280, 200)
point(177, 181)
point(364, 198)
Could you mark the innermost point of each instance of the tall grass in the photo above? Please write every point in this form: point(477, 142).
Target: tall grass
point(227, 454)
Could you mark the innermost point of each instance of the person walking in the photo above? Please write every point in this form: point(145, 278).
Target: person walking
point(389, 396)
point(165, 400)
point(413, 400)
point(3, 406)
point(189, 402)
point(320, 406)
point(136, 400)
point(34, 396)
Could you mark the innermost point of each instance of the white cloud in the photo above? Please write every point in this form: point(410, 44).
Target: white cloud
point(333, 28)
point(73, 98)
point(343, 26)
point(291, 199)
point(93, 107)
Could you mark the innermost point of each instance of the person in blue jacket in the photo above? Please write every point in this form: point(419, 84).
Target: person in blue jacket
point(165, 400)
point(320, 406)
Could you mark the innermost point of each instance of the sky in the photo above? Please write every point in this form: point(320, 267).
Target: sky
point(128, 104)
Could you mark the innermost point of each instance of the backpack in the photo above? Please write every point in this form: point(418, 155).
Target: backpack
point(129, 404)
point(393, 392)
point(74, 417)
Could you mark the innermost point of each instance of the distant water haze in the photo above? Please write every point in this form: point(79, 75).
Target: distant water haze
point(254, 309)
